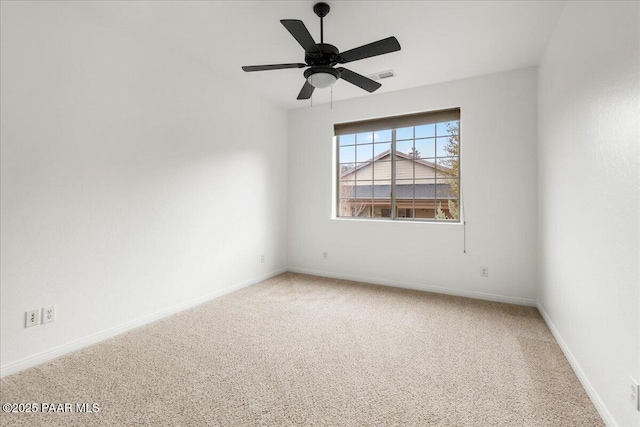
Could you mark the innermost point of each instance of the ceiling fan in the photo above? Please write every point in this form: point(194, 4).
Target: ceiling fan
point(322, 57)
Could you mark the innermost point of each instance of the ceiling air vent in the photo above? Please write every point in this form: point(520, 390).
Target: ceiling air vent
point(382, 75)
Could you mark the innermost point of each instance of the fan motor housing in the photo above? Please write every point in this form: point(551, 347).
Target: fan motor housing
point(328, 55)
point(321, 69)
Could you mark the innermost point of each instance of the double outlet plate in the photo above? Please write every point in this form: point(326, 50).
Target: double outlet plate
point(634, 393)
point(32, 317)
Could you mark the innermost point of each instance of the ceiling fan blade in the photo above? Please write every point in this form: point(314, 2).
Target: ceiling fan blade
point(306, 92)
point(358, 80)
point(299, 31)
point(380, 47)
point(271, 67)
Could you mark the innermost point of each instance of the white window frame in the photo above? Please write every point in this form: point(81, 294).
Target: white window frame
point(394, 123)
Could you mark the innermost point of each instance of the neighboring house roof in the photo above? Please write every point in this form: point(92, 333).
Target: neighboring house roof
point(404, 191)
point(398, 154)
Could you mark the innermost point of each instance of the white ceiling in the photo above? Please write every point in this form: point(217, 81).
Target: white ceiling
point(441, 40)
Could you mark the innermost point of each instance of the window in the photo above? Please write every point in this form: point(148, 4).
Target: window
point(400, 168)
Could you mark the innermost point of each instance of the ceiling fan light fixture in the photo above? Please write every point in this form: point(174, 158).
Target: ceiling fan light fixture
point(321, 80)
point(322, 57)
point(321, 76)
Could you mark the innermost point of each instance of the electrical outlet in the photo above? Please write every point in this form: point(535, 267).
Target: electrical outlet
point(48, 314)
point(262, 258)
point(32, 318)
point(325, 255)
point(634, 393)
point(484, 271)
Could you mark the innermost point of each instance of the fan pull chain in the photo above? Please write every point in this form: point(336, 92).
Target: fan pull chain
point(464, 232)
point(331, 98)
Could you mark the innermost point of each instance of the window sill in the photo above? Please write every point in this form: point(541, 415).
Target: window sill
point(378, 222)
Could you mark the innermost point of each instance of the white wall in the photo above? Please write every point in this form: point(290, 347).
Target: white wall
point(117, 201)
point(589, 88)
point(498, 169)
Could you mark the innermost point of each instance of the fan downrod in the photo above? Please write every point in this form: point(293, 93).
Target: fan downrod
point(321, 9)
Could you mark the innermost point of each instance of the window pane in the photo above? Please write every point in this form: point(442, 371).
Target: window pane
point(424, 169)
point(442, 212)
point(426, 148)
point(346, 172)
point(347, 154)
point(453, 127)
point(347, 189)
point(424, 211)
point(364, 171)
point(448, 177)
point(453, 210)
point(381, 199)
point(364, 152)
point(350, 208)
point(447, 190)
point(382, 136)
point(364, 138)
point(426, 131)
point(404, 169)
point(447, 210)
point(381, 190)
point(364, 191)
point(425, 193)
point(381, 148)
point(364, 199)
point(447, 166)
point(405, 147)
point(382, 210)
point(405, 190)
point(404, 212)
point(347, 139)
point(443, 147)
point(445, 181)
point(404, 133)
point(382, 170)
point(447, 128)
point(454, 191)
point(366, 211)
point(453, 146)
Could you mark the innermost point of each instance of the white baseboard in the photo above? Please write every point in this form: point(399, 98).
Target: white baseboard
point(28, 362)
point(591, 392)
point(419, 287)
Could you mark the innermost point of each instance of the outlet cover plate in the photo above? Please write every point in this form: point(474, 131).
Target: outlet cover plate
point(49, 314)
point(31, 318)
point(634, 393)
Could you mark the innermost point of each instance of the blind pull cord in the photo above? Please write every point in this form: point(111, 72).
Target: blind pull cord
point(464, 223)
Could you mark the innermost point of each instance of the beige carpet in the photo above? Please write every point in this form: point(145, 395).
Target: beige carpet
point(304, 350)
